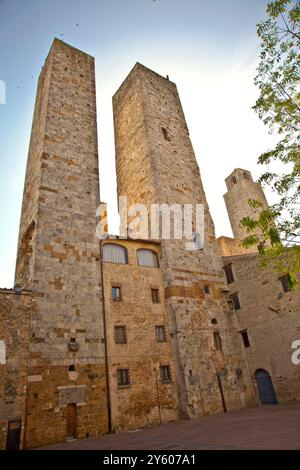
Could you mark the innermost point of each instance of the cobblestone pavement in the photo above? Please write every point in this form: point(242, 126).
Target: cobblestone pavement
point(264, 427)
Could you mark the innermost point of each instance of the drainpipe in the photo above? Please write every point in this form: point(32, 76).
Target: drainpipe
point(105, 344)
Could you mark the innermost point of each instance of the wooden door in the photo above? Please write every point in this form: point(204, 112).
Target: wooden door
point(13, 435)
point(71, 421)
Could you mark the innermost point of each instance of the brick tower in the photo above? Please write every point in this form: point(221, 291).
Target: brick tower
point(240, 188)
point(155, 163)
point(58, 255)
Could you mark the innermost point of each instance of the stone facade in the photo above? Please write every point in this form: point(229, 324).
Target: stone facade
point(15, 313)
point(271, 318)
point(156, 164)
point(147, 400)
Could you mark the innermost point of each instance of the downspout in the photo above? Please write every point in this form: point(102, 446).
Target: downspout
point(105, 345)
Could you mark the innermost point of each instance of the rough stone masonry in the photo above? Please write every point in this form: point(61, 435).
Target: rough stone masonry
point(99, 337)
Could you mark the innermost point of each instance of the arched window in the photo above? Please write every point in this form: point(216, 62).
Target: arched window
point(115, 253)
point(147, 258)
point(2, 353)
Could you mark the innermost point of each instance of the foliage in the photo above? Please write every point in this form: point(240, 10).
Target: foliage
point(278, 106)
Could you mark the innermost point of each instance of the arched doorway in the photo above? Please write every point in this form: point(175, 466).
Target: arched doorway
point(265, 387)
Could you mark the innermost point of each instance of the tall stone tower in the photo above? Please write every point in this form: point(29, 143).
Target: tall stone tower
point(58, 255)
point(156, 164)
point(240, 188)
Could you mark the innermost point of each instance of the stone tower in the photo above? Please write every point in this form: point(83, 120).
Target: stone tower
point(156, 164)
point(58, 255)
point(240, 188)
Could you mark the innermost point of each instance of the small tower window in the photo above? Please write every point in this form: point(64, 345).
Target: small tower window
point(165, 374)
point(166, 134)
point(234, 179)
point(123, 378)
point(236, 301)
point(160, 333)
point(286, 282)
point(116, 293)
point(229, 274)
point(120, 334)
point(245, 338)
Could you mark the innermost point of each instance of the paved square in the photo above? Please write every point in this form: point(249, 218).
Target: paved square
point(264, 427)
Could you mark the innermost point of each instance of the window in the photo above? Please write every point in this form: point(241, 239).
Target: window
point(147, 258)
point(166, 133)
point(120, 334)
point(165, 373)
point(246, 175)
point(214, 321)
point(116, 293)
point(229, 273)
point(123, 378)
point(234, 179)
point(160, 333)
point(286, 282)
point(217, 341)
point(236, 301)
point(115, 253)
point(206, 289)
point(245, 338)
point(155, 296)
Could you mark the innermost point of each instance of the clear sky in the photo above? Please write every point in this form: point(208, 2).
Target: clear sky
point(209, 48)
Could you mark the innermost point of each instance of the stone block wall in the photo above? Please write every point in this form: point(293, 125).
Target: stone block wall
point(15, 312)
point(147, 400)
point(271, 318)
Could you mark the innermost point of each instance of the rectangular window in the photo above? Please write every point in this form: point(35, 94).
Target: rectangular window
point(155, 296)
point(120, 334)
point(217, 341)
point(245, 339)
point(160, 333)
point(116, 293)
point(286, 282)
point(236, 301)
point(229, 273)
point(165, 373)
point(123, 378)
point(206, 289)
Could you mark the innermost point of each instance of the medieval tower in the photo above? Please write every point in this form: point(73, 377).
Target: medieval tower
point(58, 254)
point(156, 164)
point(241, 188)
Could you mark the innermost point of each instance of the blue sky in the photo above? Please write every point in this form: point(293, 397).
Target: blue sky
point(209, 48)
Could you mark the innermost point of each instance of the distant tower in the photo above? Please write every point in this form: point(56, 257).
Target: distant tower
point(58, 255)
point(156, 164)
point(241, 187)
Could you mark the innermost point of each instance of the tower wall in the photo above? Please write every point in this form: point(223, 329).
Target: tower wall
point(58, 255)
point(241, 188)
point(155, 163)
